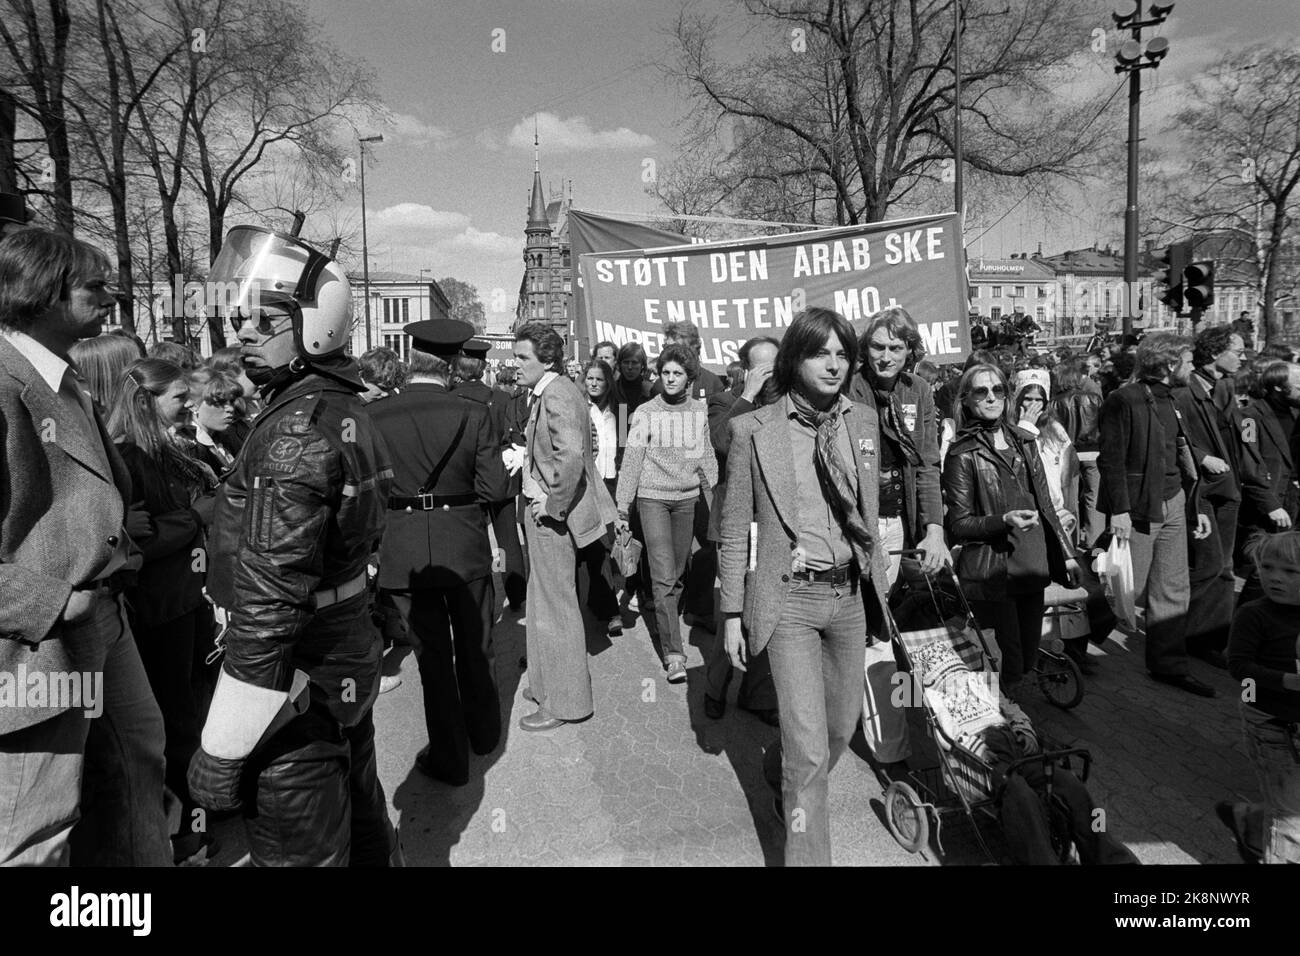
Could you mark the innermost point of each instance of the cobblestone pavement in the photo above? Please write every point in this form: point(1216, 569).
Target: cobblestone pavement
point(649, 780)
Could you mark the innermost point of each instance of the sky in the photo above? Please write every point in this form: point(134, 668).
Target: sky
point(464, 80)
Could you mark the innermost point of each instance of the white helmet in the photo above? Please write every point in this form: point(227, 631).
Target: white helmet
point(258, 266)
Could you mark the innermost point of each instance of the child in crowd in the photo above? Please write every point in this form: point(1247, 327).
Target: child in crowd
point(1264, 654)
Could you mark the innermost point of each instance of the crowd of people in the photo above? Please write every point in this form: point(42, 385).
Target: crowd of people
point(233, 543)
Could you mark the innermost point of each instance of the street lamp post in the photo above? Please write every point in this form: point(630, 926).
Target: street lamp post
point(365, 245)
point(1128, 60)
point(424, 292)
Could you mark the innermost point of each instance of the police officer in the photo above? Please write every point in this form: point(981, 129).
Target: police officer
point(289, 734)
point(468, 369)
point(435, 562)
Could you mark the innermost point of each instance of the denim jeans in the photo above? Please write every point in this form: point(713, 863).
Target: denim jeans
point(817, 656)
point(669, 529)
point(106, 770)
point(1160, 579)
point(1273, 826)
point(1093, 521)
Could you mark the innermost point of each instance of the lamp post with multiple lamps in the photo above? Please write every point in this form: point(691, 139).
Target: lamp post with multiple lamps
point(1128, 16)
point(365, 245)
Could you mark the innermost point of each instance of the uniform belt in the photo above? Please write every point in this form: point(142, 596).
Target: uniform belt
point(430, 502)
point(841, 575)
point(348, 589)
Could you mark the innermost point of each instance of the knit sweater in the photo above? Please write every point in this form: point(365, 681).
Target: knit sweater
point(669, 455)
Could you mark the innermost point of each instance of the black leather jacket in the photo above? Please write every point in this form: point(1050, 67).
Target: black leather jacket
point(1079, 413)
point(301, 511)
point(974, 477)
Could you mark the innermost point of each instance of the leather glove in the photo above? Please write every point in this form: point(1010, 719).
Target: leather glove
point(215, 781)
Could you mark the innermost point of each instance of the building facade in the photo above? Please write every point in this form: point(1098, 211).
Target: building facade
point(396, 298)
point(1003, 287)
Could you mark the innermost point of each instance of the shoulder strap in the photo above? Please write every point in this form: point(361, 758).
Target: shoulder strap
point(432, 480)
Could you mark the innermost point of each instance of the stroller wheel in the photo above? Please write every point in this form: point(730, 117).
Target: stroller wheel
point(1060, 680)
point(908, 820)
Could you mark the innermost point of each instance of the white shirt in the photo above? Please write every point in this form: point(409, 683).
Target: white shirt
point(605, 428)
point(48, 365)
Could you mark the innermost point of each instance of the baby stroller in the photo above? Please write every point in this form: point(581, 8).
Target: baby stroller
point(953, 678)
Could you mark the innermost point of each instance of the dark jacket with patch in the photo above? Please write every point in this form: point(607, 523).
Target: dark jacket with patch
point(301, 511)
point(914, 406)
point(446, 546)
point(498, 405)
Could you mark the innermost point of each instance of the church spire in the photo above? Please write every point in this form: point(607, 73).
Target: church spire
point(537, 218)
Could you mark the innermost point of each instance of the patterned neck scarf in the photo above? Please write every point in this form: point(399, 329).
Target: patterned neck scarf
point(891, 419)
point(835, 476)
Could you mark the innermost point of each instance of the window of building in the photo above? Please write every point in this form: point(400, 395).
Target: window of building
point(1107, 291)
point(1018, 291)
point(1040, 315)
point(973, 291)
point(995, 313)
point(568, 285)
point(997, 292)
point(1042, 292)
point(397, 343)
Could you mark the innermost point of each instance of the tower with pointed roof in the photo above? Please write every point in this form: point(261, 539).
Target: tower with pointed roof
point(546, 290)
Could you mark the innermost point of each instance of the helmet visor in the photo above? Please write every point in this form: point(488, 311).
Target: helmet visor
point(256, 267)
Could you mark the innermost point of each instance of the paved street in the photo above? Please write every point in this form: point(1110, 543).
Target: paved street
point(649, 780)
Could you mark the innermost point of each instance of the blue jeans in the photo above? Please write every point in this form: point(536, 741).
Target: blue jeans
point(817, 654)
point(668, 527)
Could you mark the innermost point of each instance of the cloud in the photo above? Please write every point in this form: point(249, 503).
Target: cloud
point(408, 130)
point(487, 243)
point(418, 220)
point(572, 135)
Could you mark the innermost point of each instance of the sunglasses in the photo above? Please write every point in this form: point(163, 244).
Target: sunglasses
point(265, 322)
point(984, 392)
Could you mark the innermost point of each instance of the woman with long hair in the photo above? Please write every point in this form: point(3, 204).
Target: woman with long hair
point(1000, 511)
point(668, 462)
point(170, 617)
point(101, 361)
point(597, 380)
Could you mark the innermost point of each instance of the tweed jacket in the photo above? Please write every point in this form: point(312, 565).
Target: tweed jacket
point(60, 521)
point(560, 458)
point(761, 489)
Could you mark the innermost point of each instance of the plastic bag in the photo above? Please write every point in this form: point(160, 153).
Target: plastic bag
point(626, 553)
point(1115, 568)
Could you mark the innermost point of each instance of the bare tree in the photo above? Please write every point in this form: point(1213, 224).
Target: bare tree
point(37, 44)
point(849, 114)
point(1235, 172)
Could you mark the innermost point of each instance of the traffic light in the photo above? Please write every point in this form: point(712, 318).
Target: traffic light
point(1198, 281)
point(1173, 261)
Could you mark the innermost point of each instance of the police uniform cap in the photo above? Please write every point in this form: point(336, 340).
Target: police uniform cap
point(477, 348)
point(13, 208)
point(441, 337)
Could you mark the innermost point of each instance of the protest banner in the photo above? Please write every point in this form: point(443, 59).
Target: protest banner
point(592, 232)
point(734, 290)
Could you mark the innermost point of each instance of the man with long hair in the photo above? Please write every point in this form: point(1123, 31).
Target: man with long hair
point(63, 546)
point(911, 506)
point(1208, 406)
point(802, 472)
point(1147, 473)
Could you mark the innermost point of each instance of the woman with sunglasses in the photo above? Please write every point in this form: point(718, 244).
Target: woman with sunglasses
point(219, 428)
point(1000, 511)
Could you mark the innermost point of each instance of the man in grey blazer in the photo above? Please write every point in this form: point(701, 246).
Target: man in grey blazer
point(568, 508)
point(69, 669)
point(798, 558)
